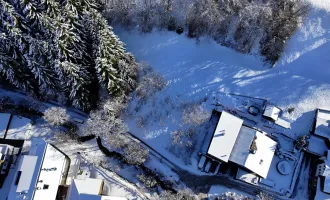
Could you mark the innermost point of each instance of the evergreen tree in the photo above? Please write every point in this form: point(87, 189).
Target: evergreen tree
point(65, 46)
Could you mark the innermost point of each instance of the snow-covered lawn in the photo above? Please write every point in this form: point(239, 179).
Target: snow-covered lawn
point(204, 71)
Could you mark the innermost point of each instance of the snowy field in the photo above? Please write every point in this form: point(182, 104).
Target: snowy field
point(203, 71)
point(207, 72)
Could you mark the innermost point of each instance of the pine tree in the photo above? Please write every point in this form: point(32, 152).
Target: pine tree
point(113, 72)
point(66, 46)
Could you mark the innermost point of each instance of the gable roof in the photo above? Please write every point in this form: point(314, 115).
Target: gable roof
point(41, 173)
point(259, 162)
point(224, 136)
point(242, 145)
point(26, 169)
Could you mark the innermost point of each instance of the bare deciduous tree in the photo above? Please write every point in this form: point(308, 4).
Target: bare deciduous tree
point(264, 196)
point(106, 122)
point(56, 116)
point(135, 153)
point(150, 84)
point(185, 194)
point(232, 196)
point(195, 115)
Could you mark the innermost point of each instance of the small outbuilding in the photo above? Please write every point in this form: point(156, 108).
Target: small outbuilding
point(322, 123)
point(89, 189)
point(271, 112)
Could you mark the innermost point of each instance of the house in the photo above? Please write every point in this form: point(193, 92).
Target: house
point(89, 189)
point(39, 173)
point(249, 148)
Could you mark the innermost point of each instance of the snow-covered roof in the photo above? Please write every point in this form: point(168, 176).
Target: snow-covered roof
point(260, 161)
point(89, 186)
point(4, 120)
point(242, 145)
point(39, 174)
point(322, 124)
point(225, 136)
point(89, 189)
point(272, 112)
point(317, 145)
point(25, 173)
point(18, 127)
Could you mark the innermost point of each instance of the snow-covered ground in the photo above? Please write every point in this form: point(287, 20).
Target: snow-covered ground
point(204, 71)
point(218, 190)
point(300, 78)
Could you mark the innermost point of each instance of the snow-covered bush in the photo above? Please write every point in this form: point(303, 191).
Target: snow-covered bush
point(115, 106)
point(231, 196)
point(141, 122)
point(301, 142)
point(56, 116)
point(264, 196)
point(185, 194)
point(183, 144)
point(195, 115)
point(135, 153)
point(148, 181)
point(150, 84)
point(183, 138)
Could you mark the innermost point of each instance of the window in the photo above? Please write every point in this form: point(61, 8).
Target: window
point(46, 187)
point(19, 173)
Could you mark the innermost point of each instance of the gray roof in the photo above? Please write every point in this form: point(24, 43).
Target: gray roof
point(224, 137)
point(242, 145)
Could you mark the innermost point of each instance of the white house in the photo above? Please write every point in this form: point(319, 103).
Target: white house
point(39, 173)
point(247, 147)
point(89, 189)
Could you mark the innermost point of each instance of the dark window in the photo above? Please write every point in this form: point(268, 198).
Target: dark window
point(46, 187)
point(19, 173)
